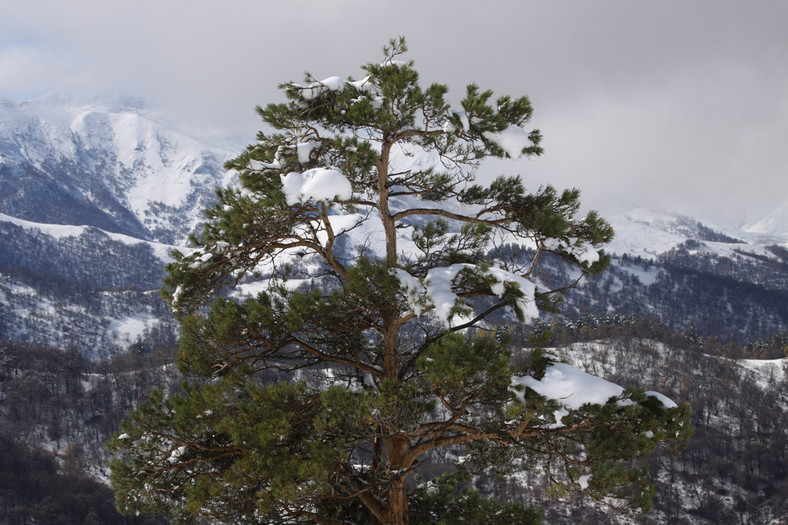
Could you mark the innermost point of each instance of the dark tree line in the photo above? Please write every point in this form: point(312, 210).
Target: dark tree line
point(38, 487)
point(56, 411)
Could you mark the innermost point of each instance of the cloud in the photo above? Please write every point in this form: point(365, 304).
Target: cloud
point(20, 68)
point(672, 103)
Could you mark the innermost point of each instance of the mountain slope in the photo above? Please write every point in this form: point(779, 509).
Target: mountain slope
point(773, 225)
point(735, 469)
point(93, 194)
point(109, 166)
point(689, 276)
point(80, 287)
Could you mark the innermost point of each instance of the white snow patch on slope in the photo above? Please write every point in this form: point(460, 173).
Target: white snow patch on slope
point(638, 233)
point(646, 275)
point(770, 371)
point(132, 328)
point(163, 161)
point(773, 225)
point(60, 231)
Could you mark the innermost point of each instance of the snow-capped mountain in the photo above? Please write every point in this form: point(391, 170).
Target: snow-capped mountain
point(647, 233)
point(690, 276)
point(773, 225)
point(108, 164)
point(93, 195)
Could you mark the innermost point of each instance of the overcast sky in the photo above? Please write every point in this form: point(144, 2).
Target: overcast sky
point(679, 105)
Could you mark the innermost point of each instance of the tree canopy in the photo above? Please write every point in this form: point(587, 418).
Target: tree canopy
point(338, 315)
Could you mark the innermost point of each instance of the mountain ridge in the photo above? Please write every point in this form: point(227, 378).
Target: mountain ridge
point(114, 168)
point(87, 183)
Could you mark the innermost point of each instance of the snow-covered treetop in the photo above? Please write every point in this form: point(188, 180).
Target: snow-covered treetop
point(383, 169)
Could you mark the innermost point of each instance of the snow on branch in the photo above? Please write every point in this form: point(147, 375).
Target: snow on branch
point(583, 252)
point(316, 184)
point(573, 388)
point(317, 89)
point(436, 292)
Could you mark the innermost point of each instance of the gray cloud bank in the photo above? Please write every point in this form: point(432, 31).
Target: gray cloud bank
point(677, 105)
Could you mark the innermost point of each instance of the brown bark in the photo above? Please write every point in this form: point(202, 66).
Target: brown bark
point(389, 224)
point(398, 504)
point(396, 447)
point(397, 508)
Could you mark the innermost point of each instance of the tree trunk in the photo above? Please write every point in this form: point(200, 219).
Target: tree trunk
point(396, 446)
point(397, 508)
point(398, 503)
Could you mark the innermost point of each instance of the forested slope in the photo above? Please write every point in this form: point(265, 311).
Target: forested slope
point(58, 409)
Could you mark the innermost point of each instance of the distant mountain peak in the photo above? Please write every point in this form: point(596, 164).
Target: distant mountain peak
point(103, 161)
point(647, 233)
point(772, 225)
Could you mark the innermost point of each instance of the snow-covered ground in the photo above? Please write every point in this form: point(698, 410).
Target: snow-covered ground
point(61, 231)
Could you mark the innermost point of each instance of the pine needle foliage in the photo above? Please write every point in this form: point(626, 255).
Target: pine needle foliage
point(337, 328)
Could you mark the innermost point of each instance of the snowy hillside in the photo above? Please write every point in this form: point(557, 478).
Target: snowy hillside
point(80, 287)
point(734, 468)
point(94, 194)
point(773, 225)
point(647, 234)
point(108, 164)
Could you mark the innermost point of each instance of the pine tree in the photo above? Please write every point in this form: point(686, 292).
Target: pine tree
point(337, 315)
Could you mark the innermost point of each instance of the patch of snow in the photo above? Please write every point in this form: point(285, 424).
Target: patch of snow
point(574, 388)
point(315, 89)
point(583, 481)
point(316, 184)
point(646, 276)
point(132, 328)
point(665, 400)
point(769, 371)
point(437, 285)
point(365, 85)
point(774, 225)
point(412, 288)
point(61, 231)
point(526, 304)
point(304, 150)
point(638, 233)
point(464, 121)
point(584, 253)
point(437, 290)
point(571, 386)
point(176, 454)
